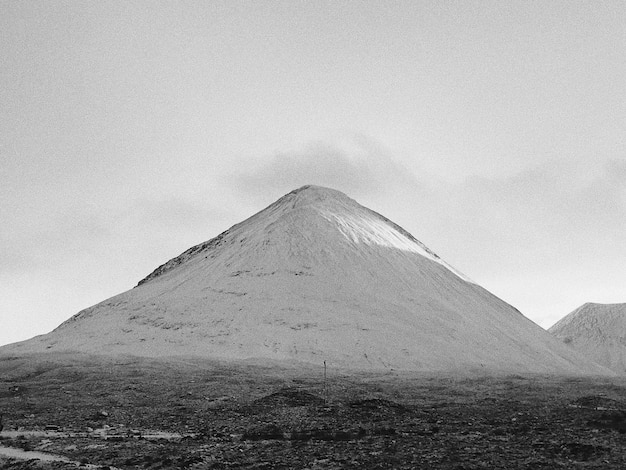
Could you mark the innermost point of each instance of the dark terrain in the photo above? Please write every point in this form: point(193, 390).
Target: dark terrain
point(253, 416)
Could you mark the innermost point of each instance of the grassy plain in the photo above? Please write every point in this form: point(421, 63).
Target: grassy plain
point(257, 416)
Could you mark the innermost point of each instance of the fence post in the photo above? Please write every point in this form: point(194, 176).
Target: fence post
point(325, 387)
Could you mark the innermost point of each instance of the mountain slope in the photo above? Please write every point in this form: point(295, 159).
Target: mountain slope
point(315, 276)
point(598, 331)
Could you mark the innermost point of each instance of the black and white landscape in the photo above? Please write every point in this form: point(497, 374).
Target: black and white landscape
point(416, 191)
point(315, 333)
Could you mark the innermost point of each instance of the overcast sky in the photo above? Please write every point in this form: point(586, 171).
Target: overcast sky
point(494, 132)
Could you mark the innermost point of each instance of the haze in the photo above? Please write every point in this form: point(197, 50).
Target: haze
point(494, 132)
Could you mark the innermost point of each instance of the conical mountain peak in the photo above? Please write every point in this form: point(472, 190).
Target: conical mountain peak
point(312, 194)
point(315, 277)
point(317, 198)
point(311, 225)
point(296, 217)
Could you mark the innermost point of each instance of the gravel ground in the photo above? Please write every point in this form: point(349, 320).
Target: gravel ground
point(101, 412)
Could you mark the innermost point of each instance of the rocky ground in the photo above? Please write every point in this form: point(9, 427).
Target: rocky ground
point(105, 413)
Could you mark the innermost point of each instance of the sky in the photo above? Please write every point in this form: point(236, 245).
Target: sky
point(494, 132)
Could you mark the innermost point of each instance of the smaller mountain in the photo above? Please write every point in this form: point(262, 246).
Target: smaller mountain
point(598, 331)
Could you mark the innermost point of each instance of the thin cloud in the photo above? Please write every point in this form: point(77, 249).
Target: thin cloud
point(553, 208)
point(170, 215)
point(84, 232)
point(616, 169)
point(357, 166)
point(546, 239)
point(44, 242)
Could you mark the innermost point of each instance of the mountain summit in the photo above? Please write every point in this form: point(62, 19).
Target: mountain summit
point(598, 331)
point(315, 277)
point(319, 226)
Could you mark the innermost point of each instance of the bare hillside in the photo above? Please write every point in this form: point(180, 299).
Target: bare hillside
point(315, 277)
point(598, 331)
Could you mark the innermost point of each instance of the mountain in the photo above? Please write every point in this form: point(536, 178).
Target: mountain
point(315, 277)
point(598, 331)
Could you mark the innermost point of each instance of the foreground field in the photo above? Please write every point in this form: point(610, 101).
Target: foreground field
point(130, 413)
